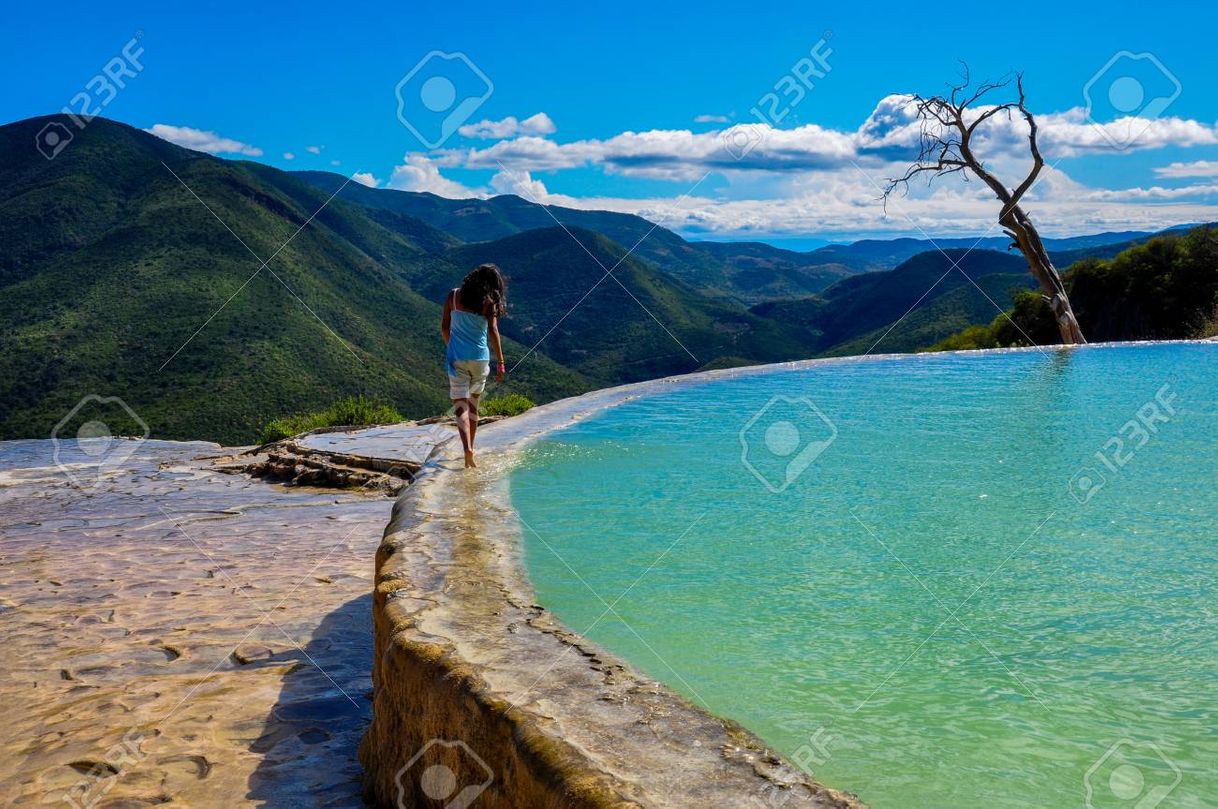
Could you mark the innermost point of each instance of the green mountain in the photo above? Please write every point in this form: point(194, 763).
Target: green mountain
point(483, 220)
point(1166, 288)
point(637, 324)
point(922, 297)
point(121, 278)
point(761, 272)
point(116, 280)
point(746, 272)
point(870, 255)
point(939, 315)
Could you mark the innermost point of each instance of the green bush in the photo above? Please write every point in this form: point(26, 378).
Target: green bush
point(970, 339)
point(354, 411)
point(513, 404)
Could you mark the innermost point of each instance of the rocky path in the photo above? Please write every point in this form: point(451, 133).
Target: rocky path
point(175, 635)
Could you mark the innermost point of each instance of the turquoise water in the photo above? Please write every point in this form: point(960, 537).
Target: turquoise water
point(950, 600)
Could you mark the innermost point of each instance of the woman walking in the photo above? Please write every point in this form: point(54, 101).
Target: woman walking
point(470, 322)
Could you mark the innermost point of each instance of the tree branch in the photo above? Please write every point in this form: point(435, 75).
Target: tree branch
point(1038, 161)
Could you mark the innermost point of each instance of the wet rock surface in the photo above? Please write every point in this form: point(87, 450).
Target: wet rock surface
point(176, 635)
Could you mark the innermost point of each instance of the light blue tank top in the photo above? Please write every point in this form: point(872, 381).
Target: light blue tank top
point(466, 338)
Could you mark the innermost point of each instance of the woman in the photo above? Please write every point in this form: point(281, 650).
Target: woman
point(471, 316)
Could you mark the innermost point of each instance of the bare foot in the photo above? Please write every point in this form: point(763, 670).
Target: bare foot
point(469, 460)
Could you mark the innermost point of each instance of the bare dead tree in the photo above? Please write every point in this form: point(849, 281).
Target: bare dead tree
point(948, 126)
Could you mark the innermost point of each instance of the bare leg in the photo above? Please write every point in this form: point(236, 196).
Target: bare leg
point(473, 418)
point(463, 428)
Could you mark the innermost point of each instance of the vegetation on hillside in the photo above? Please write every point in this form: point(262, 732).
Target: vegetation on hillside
point(638, 324)
point(951, 290)
point(1164, 289)
point(354, 411)
point(110, 265)
point(510, 404)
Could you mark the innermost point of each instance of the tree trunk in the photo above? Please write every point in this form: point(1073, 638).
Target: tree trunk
point(1020, 228)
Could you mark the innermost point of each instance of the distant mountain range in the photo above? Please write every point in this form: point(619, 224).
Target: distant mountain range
point(749, 272)
point(119, 277)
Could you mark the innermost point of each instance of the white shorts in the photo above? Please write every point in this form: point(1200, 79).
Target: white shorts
point(470, 379)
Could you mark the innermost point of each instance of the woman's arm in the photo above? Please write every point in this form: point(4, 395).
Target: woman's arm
point(446, 319)
point(497, 344)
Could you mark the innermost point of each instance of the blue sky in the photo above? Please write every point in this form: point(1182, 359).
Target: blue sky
point(280, 81)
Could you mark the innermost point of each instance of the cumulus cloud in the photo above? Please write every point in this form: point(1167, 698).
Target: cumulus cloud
point(420, 173)
point(815, 179)
point(314, 149)
point(669, 154)
point(844, 203)
point(520, 183)
point(289, 156)
point(1198, 168)
point(1070, 134)
point(842, 206)
point(894, 126)
point(1156, 192)
point(509, 127)
point(891, 132)
point(365, 178)
point(202, 141)
point(710, 119)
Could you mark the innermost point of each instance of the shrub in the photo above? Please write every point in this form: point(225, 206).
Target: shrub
point(354, 411)
point(970, 339)
point(513, 404)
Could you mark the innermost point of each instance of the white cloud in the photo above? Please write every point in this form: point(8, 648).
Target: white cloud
point(710, 119)
point(817, 180)
point(844, 206)
point(668, 154)
point(289, 156)
point(365, 178)
point(894, 124)
point(1156, 192)
point(521, 184)
point(509, 127)
point(844, 203)
point(890, 132)
point(1070, 134)
point(203, 141)
point(1198, 168)
point(420, 173)
point(335, 163)
point(314, 149)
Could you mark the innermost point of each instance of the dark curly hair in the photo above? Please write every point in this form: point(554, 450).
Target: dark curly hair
point(484, 290)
